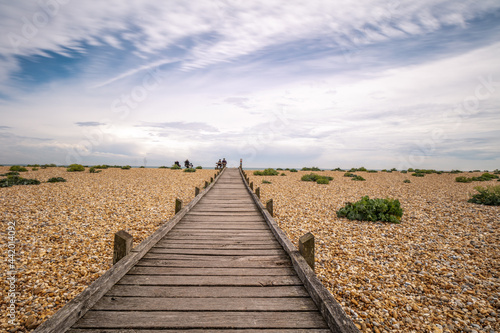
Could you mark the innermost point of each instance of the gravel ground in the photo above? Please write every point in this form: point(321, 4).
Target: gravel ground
point(64, 231)
point(436, 271)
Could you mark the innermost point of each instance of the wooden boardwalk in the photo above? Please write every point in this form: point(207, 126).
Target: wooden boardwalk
point(219, 269)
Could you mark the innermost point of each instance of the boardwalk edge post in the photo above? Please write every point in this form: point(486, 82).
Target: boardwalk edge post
point(257, 192)
point(306, 248)
point(196, 191)
point(122, 245)
point(178, 205)
point(269, 207)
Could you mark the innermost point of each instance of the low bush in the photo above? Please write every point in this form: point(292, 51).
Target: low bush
point(189, 170)
point(174, 167)
point(404, 171)
point(455, 171)
point(266, 172)
point(34, 169)
point(406, 181)
point(323, 180)
point(337, 169)
point(418, 174)
point(279, 169)
point(56, 180)
point(52, 165)
point(483, 178)
point(348, 174)
point(310, 169)
point(104, 166)
point(463, 179)
point(18, 168)
point(94, 170)
point(164, 167)
point(75, 168)
point(293, 170)
point(126, 167)
point(366, 209)
point(372, 171)
point(487, 196)
point(312, 177)
point(199, 167)
point(283, 174)
point(11, 173)
point(16, 180)
point(359, 178)
point(266, 181)
point(496, 172)
point(142, 167)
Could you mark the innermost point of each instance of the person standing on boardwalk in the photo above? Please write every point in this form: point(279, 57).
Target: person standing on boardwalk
point(224, 162)
point(219, 164)
point(186, 163)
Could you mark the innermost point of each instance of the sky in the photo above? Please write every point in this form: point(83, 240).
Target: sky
point(335, 83)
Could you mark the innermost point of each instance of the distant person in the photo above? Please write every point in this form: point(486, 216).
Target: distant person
point(186, 163)
point(191, 165)
point(177, 163)
point(219, 164)
point(224, 162)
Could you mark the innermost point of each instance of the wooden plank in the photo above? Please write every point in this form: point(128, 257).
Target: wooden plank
point(201, 213)
point(223, 226)
point(218, 243)
point(217, 252)
point(176, 280)
point(205, 304)
point(220, 258)
point(200, 319)
point(211, 263)
point(207, 292)
point(222, 232)
point(233, 219)
point(138, 270)
point(121, 330)
point(203, 237)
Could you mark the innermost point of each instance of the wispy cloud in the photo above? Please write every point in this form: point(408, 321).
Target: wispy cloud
point(89, 123)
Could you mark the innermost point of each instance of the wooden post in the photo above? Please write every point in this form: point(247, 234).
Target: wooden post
point(211, 179)
point(196, 191)
point(269, 207)
point(178, 205)
point(122, 245)
point(306, 248)
point(257, 192)
point(251, 185)
point(206, 184)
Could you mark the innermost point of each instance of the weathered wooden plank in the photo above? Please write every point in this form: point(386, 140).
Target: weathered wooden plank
point(200, 319)
point(214, 291)
point(205, 304)
point(223, 226)
point(202, 213)
point(257, 243)
point(176, 280)
point(211, 263)
point(139, 270)
point(235, 232)
point(217, 252)
point(120, 330)
point(232, 219)
point(220, 258)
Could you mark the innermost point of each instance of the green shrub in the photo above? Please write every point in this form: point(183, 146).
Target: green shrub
point(163, 167)
point(173, 167)
point(104, 166)
point(310, 169)
point(142, 167)
point(406, 181)
point(283, 174)
point(34, 169)
point(199, 167)
point(418, 174)
point(372, 171)
point(293, 170)
point(312, 177)
point(463, 179)
point(52, 165)
point(75, 168)
point(18, 168)
point(411, 170)
point(16, 180)
point(56, 180)
point(323, 180)
point(404, 171)
point(496, 172)
point(266, 181)
point(487, 196)
point(337, 169)
point(453, 171)
point(279, 169)
point(189, 170)
point(358, 169)
point(11, 173)
point(348, 174)
point(366, 209)
point(94, 170)
point(357, 178)
point(266, 172)
point(126, 167)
